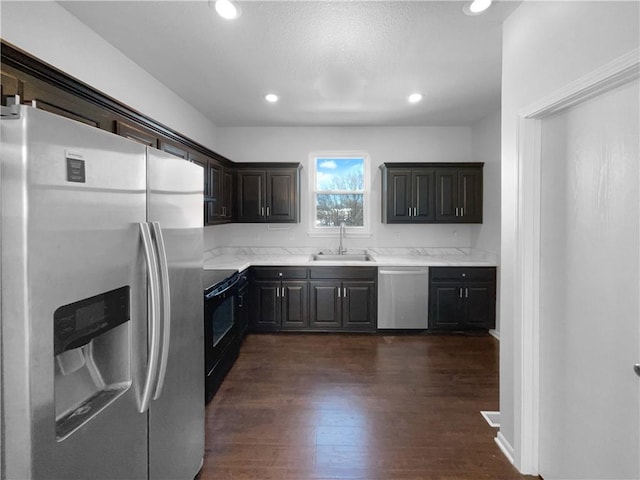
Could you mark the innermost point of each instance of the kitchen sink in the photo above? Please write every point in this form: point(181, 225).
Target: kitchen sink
point(345, 257)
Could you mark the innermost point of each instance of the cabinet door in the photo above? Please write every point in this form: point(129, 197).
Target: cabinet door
point(266, 315)
point(399, 193)
point(447, 195)
point(424, 195)
point(281, 203)
point(479, 306)
point(324, 309)
point(470, 195)
point(445, 306)
point(227, 194)
point(243, 310)
point(51, 99)
point(173, 148)
point(295, 304)
point(358, 305)
point(136, 133)
point(251, 195)
point(215, 187)
point(203, 161)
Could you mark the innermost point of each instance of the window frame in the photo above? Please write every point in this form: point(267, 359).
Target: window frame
point(318, 231)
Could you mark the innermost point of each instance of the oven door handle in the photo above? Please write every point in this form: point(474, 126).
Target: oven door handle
point(229, 287)
point(166, 306)
point(153, 323)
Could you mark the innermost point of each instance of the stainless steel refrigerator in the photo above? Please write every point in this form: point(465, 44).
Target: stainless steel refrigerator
point(101, 327)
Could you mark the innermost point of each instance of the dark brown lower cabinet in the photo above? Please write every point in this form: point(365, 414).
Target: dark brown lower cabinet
point(342, 305)
point(462, 298)
point(280, 305)
point(314, 299)
point(343, 298)
point(279, 298)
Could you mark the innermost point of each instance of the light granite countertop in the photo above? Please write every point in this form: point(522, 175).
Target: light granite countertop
point(239, 258)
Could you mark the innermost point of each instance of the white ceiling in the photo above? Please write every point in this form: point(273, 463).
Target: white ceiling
point(331, 62)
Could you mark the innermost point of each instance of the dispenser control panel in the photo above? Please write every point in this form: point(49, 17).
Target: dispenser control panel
point(75, 324)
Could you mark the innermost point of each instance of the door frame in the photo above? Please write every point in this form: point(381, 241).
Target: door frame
point(623, 69)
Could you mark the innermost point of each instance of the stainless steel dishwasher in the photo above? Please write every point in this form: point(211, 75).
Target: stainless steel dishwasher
point(403, 297)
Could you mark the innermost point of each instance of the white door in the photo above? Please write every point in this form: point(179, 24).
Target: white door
point(590, 289)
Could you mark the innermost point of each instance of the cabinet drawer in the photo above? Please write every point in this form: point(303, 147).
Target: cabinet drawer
point(350, 273)
point(457, 274)
point(278, 273)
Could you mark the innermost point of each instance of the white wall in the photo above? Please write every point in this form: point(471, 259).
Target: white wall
point(546, 45)
point(50, 33)
point(383, 144)
point(485, 143)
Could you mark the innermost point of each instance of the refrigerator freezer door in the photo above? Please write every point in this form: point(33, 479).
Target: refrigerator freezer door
point(72, 268)
point(176, 417)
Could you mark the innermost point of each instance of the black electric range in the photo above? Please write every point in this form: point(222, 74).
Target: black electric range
point(212, 278)
point(224, 326)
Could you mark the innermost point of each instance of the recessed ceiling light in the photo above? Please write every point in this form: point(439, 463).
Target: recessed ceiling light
point(414, 97)
point(271, 97)
point(476, 7)
point(227, 10)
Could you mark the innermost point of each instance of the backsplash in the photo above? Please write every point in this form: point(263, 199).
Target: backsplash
point(381, 236)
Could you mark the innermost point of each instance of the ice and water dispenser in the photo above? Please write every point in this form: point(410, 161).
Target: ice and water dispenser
point(92, 345)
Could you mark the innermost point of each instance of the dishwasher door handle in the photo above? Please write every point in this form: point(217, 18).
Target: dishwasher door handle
point(403, 272)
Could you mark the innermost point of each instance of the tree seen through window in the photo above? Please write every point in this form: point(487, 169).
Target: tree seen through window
point(339, 192)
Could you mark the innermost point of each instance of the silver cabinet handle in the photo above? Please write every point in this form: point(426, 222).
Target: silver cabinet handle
point(462, 211)
point(415, 211)
point(154, 321)
point(466, 292)
point(409, 211)
point(344, 292)
point(268, 213)
point(457, 212)
point(339, 290)
point(460, 292)
point(282, 290)
point(262, 211)
point(166, 306)
point(277, 292)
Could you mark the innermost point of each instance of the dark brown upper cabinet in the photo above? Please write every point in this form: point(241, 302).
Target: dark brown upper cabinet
point(136, 133)
point(432, 192)
point(174, 148)
point(220, 205)
point(268, 192)
point(459, 194)
point(408, 195)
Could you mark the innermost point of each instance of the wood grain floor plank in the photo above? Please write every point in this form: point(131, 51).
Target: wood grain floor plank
point(322, 407)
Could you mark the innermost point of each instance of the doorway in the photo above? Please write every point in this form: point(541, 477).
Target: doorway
point(589, 313)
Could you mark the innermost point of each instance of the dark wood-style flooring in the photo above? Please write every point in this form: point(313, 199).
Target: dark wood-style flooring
point(407, 407)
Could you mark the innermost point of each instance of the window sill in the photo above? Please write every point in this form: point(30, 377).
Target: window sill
point(337, 234)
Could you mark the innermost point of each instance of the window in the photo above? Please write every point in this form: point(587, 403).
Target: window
point(340, 191)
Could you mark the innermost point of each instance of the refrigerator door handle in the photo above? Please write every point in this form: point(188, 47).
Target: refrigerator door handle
point(154, 309)
point(166, 306)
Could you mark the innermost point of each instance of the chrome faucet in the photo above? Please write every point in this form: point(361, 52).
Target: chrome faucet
point(343, 228)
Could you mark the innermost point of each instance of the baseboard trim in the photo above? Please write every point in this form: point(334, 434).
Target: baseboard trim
point(505, 446)
point(492, 418)
point(494, 333)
